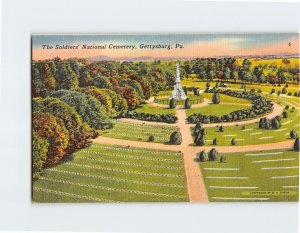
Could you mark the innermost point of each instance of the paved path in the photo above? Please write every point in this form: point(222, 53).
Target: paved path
point(194, 179)
point(284, 145)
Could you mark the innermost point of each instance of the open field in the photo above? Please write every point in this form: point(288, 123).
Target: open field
point(139, 132)
point(243, 173)
point(146, 108)
point(252, 135)
point(275, 61)
point(107, 173)
point(264, 87)
point(215, 109)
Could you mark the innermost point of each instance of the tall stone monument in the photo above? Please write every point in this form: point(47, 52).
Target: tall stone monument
point(178, 93)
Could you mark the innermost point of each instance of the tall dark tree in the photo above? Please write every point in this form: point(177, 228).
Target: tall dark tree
point(216, 98)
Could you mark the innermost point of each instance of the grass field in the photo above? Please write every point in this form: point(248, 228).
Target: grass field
point(264, 87)
point(226, 99)
point(146, 108)
point(193, 99)
point(139, 132)
point(107, 173)
point(215, 109)
point(243, 173)
point(252, 134)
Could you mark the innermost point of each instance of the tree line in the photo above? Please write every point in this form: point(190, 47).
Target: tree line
point(229, 68)
point(74, 98)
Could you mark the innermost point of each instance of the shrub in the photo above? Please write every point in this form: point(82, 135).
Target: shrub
point(283, 91)
point(293, 134)
point(167, 118)
point(233, 142)
point(287, 107)
point(172, 103)
point(216, 98)
point(151, 138)
point(272, 91)
point(296, 144)
point(290, 93)
point(221, 128)
point(215, 141)
point(176, 138)
point(222, 159)
point(212, 155)
point(187, 103)
point(285, 114)
point(199, 139)
point(202, 156)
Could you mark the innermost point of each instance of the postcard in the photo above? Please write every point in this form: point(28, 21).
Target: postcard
point(165, 117)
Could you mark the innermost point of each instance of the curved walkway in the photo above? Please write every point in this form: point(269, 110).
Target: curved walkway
point(277, 110)
point(288, 144)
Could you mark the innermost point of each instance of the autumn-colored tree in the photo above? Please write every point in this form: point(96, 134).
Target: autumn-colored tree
point(78, 131)
point(52, 129)
point(39, 154)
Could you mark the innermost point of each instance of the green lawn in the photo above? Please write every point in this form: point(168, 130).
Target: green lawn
point(252, 134)
point(215, 109)
point(265, 87)
point(162, 93)
point(139, 132)
point(146, 108)
point(193, 99)
point(245, 173)
point(107, 173)
point(227, 99)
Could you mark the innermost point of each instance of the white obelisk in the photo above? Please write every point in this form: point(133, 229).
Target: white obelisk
point(178, 93)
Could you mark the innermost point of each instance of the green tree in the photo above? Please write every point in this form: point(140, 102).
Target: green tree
point(52, 130)
point(172, 103)
point(221, 128)
point(296, 144)
point(187, 103)
point(151, 138)
point(78, 131)
point(233, 142)
point(199, 139)
point(215, 141)
point(293, 134)
point(88, 107)
point(212, 155)
point(49, 80)
point(176, 138)
point(39, 151)
point(216, 98)
point(202, 156)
